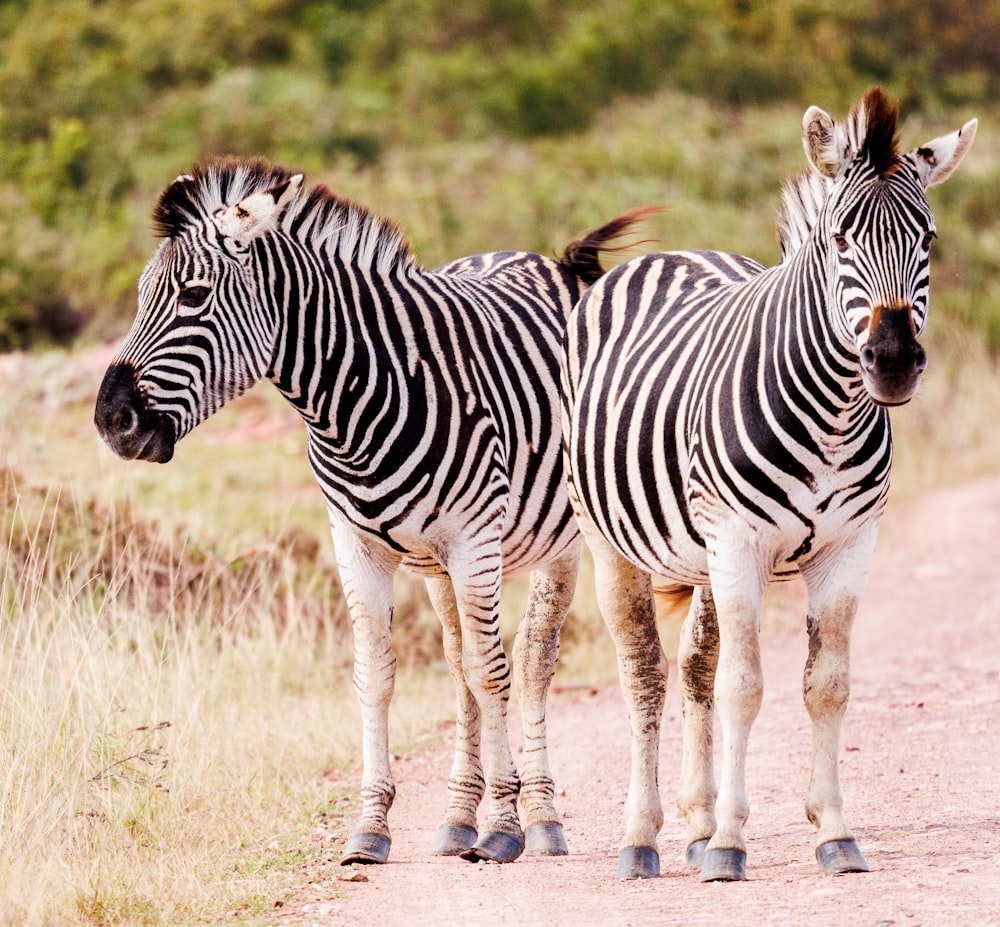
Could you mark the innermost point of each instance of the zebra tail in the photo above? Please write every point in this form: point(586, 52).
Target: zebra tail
point(582, 257)
point(673, 601)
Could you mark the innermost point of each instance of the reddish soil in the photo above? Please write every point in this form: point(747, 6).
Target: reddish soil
point(920, 770)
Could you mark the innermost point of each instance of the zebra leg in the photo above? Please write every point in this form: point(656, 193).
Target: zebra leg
point(367, 584)
point(625, 598)
point(536, 652)
point(737, 588)
point(697, 659)
point(476, 581)
point(826, 685)
point(465, 782)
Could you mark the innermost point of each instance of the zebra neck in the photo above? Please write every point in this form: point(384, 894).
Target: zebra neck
point(811, 356)
point(347, 360)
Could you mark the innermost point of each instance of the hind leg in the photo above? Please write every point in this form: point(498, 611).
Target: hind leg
point(536, 652)
point(625, 598)
point(466, 783)
point(476, 579)
point(697, 659)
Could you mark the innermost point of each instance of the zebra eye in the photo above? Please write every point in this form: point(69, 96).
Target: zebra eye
point(193, 297)
point(840, 240)
point(928, 238)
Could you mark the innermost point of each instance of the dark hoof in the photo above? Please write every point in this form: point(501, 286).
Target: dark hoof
point(453, 839)
point(638, 863)
point(495, 847)
point(724, 866)
point(366, 848)
point(837, 856)
point(694, 856)
point(545, 840)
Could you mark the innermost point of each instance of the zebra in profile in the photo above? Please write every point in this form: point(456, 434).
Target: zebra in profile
point(431, 405)
point(726, 425)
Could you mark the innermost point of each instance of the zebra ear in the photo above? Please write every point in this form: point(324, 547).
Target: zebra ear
point(825, 142)
point(258, 214)
point(936, 161)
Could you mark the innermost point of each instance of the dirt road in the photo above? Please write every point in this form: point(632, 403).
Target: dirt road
point(920, 765)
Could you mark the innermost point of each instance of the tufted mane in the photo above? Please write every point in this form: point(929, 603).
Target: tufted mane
point(323, 220)
point(337, 225)
point(193, 197)
point(871, 128)
point(802, 198)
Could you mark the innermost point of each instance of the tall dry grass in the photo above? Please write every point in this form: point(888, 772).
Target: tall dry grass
point(169, 718)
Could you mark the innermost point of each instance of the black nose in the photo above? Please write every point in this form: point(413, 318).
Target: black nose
point(885, 355)
point(892, 360)
point(128, 426)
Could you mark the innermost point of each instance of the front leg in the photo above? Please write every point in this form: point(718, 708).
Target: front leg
point(834, 590)
point(738, 579)
point(366, 578)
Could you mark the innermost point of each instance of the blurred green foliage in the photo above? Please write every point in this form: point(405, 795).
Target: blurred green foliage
point(102, 102)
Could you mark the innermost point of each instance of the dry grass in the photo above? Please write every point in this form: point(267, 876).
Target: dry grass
point(168, 716)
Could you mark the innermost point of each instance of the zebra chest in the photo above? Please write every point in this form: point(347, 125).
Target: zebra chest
point(789, 528)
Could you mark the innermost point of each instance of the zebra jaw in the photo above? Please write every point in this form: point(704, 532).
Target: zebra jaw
point(131, 429)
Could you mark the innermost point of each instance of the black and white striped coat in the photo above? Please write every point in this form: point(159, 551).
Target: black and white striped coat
point(431, 402)
point(726, 424)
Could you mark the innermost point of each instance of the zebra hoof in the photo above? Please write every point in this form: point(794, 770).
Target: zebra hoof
point(836, 856)
point(724, 866)
point(453, 839)
point(495, 847)
point(366, 848)
point(694, 856)
point(545, 840)
point(638, 863)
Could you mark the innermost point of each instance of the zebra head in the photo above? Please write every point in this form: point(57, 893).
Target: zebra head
point(876, 228)
point(203, 333)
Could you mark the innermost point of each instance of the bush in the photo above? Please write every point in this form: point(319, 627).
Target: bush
point(101, 104)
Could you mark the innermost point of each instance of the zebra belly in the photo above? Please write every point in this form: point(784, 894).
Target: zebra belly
point(425, 542)
point(519, 556)
point(681, 560)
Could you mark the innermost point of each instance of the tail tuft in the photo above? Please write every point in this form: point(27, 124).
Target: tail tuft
point(673, 602)
point(582, 257)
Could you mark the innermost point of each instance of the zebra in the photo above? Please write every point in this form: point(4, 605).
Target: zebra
point(725, 425)
point(431, 405)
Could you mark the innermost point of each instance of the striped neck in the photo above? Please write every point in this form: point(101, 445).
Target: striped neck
point(345, 354)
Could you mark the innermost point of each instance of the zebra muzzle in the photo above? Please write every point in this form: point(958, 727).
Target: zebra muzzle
point(128, 426)
point(892, 360)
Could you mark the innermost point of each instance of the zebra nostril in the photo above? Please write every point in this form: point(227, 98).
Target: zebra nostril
point(125, 421)
point(867, 358)
point(921, 360)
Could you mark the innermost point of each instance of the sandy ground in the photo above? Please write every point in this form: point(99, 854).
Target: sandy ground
point(920, 764)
